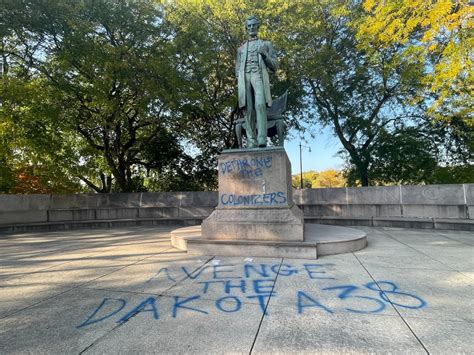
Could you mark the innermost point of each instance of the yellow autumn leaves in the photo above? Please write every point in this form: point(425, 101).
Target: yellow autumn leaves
point(440, 30)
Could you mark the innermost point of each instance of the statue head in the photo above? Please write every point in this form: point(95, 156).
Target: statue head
point(251, 25)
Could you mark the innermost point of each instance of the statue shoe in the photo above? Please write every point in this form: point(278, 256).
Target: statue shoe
point(251, 143)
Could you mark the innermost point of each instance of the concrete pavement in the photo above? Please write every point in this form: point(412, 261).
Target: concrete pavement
point(128, 291)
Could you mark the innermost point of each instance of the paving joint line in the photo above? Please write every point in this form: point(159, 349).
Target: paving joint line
point(74, 287)
point(186, 277)
point(36, 303)
point(98, 340)
point(49, 267)
point(393, 306)
point(266, 307)
point(427, 255)
point(454, 240)
point(119, 291)
point(14, 277)
point(162, 294)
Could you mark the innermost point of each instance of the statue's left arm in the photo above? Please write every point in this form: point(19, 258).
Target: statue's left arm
point(269, 56)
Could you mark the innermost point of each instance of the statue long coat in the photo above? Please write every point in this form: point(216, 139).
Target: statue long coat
point(268, 64)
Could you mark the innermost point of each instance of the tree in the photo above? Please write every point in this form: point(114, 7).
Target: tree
point(309, 177)
point(357, 93)
point(106, 66)
point(329, 178)
point(124, 73)
point(403, 156)
point(366, 92)
point(134, 95)
point(453, 175)
point(441, 32)
point(314, 179)
point(34, 151)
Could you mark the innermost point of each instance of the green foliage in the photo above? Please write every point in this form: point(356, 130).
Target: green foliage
point(404, 156)
point(453, 175)
point(368, 93)
point(207, 35)
point(355, 92)
point(140, 95)
point(34, 148)
point(428, 154)
point(106, 72)
point(440, 32)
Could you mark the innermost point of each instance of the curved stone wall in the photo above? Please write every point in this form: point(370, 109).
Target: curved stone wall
point(430, 206)
point(103, 210)
point(419, 206)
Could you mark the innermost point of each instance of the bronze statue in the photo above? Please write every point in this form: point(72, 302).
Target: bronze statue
point(254, 59)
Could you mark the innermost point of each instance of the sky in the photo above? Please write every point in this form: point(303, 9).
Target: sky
point(322, 156)
point(324, 147)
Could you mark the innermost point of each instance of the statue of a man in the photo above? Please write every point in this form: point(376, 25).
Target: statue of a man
point(254, 59)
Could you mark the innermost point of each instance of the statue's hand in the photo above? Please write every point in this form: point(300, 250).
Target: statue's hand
point(263, 51)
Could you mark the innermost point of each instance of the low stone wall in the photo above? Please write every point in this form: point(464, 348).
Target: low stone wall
point(101, 208)
point(430, 206)
point(420, 206)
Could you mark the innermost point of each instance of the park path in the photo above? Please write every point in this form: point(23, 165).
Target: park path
point(128, 291)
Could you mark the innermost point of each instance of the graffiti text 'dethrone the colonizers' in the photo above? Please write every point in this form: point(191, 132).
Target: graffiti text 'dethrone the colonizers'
point(270, 199)
point(247, 168)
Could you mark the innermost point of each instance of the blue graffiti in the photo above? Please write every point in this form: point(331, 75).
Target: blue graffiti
point(141, 308)
point(90, 320)
point(193, 274)
point(259, 286)
point(284, 270)
point(237, 305)
point(313, 274)
point(241, 285)
point(310, 302)
point(269, 199)
point(207, 283)
point(374, 286)
point(263, 286)
point(219, 270)
point(181, 304)
point(255, 282)
point(247, 168)
point(165, 271)
point(347, 293)
point(248, 268)
point(262, 300)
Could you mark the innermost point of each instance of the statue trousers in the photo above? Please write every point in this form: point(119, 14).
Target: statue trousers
point(255, 100)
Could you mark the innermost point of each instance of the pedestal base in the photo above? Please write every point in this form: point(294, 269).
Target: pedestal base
point(319, 240)
point(255, 198)
point(277, 224)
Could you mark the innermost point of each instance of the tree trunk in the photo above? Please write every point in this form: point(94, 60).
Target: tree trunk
point(363, 173)
point(105, 180)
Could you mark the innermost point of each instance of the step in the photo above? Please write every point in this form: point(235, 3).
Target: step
point(92, 224)
point(319, 240)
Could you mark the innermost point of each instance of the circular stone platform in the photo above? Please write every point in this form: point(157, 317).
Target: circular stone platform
point(319, 240)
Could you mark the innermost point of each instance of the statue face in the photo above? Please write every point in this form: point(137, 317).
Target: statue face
point(252, 27)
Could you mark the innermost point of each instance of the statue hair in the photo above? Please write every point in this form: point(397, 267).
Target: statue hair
point(253, 17)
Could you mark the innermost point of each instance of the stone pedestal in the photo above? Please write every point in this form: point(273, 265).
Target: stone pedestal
point(255, 198)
